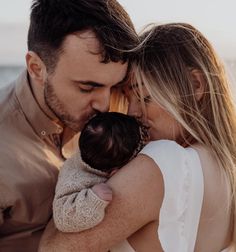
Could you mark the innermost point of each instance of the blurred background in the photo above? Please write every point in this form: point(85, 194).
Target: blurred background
point(216, 19)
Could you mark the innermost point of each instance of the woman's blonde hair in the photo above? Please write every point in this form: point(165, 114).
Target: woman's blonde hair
point(166, 58)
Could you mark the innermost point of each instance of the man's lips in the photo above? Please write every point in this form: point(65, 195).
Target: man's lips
point(89, 117)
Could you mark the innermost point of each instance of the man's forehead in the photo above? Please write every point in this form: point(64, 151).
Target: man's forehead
point(83, 40)
point(83, 62)
point(89, 39)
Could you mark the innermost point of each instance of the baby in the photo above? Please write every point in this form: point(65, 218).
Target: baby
point(107, 142)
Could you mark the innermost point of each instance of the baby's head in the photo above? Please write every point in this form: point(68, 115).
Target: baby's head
point(109, 140)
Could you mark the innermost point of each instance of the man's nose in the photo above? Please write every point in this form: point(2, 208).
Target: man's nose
point(101, 102)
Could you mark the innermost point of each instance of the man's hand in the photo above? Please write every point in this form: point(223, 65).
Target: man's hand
point(103, 191)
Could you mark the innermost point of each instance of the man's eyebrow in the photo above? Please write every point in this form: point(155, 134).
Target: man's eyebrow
point(89, 83)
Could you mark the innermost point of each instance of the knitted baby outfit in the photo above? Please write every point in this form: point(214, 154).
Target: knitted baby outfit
point(76, 207)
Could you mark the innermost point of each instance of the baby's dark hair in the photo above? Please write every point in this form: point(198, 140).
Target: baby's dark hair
point(109, 140)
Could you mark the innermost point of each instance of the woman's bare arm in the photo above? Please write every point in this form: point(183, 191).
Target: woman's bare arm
point(138, 193)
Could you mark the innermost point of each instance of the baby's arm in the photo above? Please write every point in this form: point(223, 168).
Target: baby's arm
point(76, 207)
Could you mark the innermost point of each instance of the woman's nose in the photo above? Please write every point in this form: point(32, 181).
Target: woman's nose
point(134, 109)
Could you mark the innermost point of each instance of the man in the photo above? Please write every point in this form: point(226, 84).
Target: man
point(75, 59)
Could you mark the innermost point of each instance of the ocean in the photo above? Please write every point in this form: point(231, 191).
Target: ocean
point(9, 73)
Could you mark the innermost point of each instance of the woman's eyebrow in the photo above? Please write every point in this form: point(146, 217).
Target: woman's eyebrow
point(134, 85)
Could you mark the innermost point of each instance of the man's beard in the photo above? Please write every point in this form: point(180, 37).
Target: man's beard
point(57, 108)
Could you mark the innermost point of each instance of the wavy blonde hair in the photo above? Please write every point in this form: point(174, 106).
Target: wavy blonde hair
point(166, 57)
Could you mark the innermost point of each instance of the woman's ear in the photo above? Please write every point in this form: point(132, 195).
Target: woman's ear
point(199, 83)
point(36, 68)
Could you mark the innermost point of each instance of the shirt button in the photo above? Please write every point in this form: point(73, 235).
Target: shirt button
point(43, 133)
point(59, 130)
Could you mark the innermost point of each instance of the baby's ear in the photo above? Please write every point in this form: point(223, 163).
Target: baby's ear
point(113, 172)
point(199, 83)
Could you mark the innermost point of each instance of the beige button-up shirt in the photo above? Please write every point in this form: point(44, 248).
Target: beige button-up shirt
point(30, 157)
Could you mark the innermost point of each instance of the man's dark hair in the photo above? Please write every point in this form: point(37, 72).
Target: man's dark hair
point(52, 20)
point(109, 140)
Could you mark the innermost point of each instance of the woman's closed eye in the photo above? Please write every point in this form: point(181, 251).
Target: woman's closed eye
point(147, 99)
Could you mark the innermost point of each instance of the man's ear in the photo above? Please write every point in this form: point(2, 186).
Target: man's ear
point(36, 68)
point(199, 83)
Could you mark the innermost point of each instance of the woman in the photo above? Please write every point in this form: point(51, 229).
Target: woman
point(178, 194)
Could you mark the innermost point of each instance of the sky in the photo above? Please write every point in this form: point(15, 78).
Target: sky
point(216, 19)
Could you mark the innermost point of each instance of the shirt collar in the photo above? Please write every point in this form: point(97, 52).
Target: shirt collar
point(40, 122)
